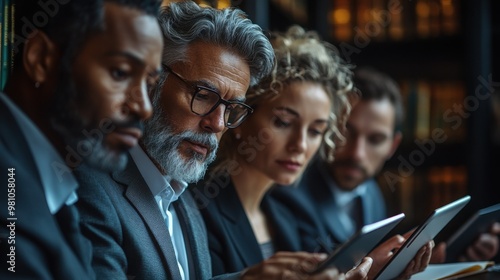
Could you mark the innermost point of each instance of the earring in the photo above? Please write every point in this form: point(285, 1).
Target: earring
point(37, 84)
point(237, 136)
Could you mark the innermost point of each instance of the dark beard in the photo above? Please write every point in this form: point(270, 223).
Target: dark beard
point(84, 138)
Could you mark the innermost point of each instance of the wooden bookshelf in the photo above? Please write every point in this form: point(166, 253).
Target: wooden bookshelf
point(436, 50)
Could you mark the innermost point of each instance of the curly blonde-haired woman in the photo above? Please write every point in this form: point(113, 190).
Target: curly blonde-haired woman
point(298, 109)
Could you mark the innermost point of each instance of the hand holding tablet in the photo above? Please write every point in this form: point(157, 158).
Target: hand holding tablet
point(422, 235)
point(359, 245)
point(479, 223)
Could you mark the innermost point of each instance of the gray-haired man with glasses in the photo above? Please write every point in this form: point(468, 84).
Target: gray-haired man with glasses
point(205, 100)
point(141, 223)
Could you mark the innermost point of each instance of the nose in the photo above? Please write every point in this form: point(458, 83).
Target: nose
point(138, 102)
point(214, 122)
point(298, 142)
point(357, 149)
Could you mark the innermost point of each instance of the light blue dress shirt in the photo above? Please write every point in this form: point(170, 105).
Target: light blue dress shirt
point(343, 201)
point(165, 192)
point(59, 184)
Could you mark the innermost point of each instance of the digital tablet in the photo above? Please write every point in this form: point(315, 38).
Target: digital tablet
point(423, 234)
point(479, 223)
point(349, 254)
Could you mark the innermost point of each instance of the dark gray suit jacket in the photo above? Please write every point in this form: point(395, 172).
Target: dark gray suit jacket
point(314, 190)
point(41, 249)
point(233, 245)
point(127, 230)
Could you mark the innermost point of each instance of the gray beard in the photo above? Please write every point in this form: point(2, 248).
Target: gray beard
point(163, 145)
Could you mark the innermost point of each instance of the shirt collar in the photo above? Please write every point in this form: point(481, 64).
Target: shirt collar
point(58, 182)
point(341, 197)
point(157, 182)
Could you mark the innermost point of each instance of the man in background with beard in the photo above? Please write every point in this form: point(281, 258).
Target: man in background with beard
point(77, 94)
point(141, 222)
point(344, 194)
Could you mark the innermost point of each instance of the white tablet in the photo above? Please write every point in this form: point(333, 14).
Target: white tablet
point(349, 254)
point(479, 223)
point(423, 234)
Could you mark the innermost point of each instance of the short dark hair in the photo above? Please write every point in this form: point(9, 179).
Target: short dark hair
point(68, 23)
point(375, 85)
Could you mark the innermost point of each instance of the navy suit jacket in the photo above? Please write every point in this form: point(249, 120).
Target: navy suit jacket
point(316, 193)
point(233, 245)
point(127, 230)
point(41, 250)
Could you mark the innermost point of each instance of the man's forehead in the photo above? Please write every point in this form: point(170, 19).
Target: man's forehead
point(373, 114)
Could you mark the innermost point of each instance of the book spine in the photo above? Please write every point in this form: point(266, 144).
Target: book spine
point(5, 42)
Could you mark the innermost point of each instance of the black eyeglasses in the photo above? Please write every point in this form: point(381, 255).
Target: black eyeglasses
point(206, 100)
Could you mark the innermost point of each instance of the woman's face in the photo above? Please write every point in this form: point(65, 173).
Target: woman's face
point(280, 137)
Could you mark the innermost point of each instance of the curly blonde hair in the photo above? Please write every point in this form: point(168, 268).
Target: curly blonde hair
point(302, 56)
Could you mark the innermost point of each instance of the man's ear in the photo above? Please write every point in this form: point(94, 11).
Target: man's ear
point(398, 136)
point(40, 57)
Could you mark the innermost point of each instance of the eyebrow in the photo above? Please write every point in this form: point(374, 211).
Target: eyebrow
point(296, 114)
point(136, 59)
point(209, 85)
point(126, 54)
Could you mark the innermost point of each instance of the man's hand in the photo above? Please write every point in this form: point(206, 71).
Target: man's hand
point(361, 271)
point(419, 262)
point(291, 265)
point(439, 253)
point(383, 253)
point(485, 247)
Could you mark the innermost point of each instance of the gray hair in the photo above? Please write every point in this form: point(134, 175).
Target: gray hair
point(183, 23)
point(302, 56)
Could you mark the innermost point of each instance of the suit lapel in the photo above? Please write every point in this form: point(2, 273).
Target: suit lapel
point(367, 207)
point(285, 236)
point(142, 199)
point(323, 195)
point(12, 138)
point(195, 234)
point(238, 226)
point(371, 212)
point(13, 145)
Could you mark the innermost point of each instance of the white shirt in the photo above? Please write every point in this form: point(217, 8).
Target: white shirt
point(57, 180)
point(165, 192)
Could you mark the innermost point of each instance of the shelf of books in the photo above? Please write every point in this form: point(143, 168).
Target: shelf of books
point(429, 168)
point(393, 20)
point(431, 162)
point(6, 39)
point(410, 41)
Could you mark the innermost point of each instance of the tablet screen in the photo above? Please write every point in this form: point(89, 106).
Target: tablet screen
point(465, 235)
point(423, 234)
point(349, 254)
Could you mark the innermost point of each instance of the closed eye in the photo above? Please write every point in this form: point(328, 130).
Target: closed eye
point(280, 123)
point(201, 95)
point(315, 132)
point(118, 74)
